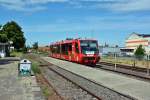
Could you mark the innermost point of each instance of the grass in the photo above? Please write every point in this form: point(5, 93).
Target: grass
point(46, 91)
point(35, 67)
point(16, 54)
point(125, 61)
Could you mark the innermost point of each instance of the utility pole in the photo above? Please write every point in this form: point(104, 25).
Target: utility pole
point(115, 57)
point(147, 64)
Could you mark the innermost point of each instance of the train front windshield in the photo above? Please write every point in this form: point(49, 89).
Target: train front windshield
point(89, 46)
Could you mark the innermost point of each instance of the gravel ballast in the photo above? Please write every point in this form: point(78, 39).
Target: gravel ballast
point(65, 88)
point(103, 92)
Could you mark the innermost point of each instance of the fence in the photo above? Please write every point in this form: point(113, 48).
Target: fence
point(141, 62)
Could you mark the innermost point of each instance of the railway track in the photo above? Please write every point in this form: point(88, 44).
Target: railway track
point(134, 71)
point(96, 90)
point(79, 88)
point(100, 90)
point(76, 91)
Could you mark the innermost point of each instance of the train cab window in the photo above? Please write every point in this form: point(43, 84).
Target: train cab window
point(77, 47)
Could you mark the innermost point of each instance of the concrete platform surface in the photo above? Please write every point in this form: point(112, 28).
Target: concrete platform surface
point(14, 87)
point(123, 84)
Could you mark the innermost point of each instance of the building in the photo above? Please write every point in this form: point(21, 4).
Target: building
point(126, 52)
point(135, 39)
point(109, 50)
point(44, 49)
point(4, 49)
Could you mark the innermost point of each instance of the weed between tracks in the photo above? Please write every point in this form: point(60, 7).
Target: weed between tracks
point(35, 68)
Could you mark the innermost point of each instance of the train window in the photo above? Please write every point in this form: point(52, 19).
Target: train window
point(55, 48)
point(64, 49)
point(77, 47)
point(70, 47)
point(58, 49)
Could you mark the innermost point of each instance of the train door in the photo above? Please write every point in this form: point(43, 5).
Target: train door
point(70, 51)
point(77, 52)
point(73, 52)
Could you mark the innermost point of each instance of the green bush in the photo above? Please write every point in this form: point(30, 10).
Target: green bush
point(140, 52)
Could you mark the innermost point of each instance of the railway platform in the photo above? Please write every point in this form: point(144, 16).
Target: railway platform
point(135, 88)
point(14, 87)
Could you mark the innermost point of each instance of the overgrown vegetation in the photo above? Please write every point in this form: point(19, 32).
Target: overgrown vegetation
point(46, 91)
point(16, 54)
point(35, 67)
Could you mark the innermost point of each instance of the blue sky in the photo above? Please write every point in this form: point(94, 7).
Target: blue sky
point(46, 21)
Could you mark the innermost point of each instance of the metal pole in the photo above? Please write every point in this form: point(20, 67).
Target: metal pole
point(115, 61)
point(115, 58)
point(147, 64)
point(134, 61)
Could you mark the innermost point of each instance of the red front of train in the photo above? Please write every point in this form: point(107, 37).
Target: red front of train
point(84, 51)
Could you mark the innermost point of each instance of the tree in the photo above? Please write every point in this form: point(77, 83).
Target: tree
point(140, 52)
point(3, 38)
point(35, 45)
point(0, 27)
point(14, 33)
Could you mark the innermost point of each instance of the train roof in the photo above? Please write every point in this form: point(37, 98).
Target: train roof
point(71, 40)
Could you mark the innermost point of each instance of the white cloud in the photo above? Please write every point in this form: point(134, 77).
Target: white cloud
point(112, 5)
point(133, 5)
point(27, 5)
point(125, 5)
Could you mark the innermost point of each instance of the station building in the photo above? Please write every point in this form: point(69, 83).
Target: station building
point(4, 49)
point(134, 40)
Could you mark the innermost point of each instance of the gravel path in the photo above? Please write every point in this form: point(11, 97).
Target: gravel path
point(65, 88)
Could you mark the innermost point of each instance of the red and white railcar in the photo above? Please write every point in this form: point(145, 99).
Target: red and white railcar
point(84, 51)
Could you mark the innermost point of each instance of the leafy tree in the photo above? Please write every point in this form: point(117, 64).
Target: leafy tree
point(35, 45)
point(140, 52)
point(3, 38)
point(0, 27)
point(14, 33)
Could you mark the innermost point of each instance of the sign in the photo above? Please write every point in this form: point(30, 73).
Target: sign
point(89, 52)
point(25, 67)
